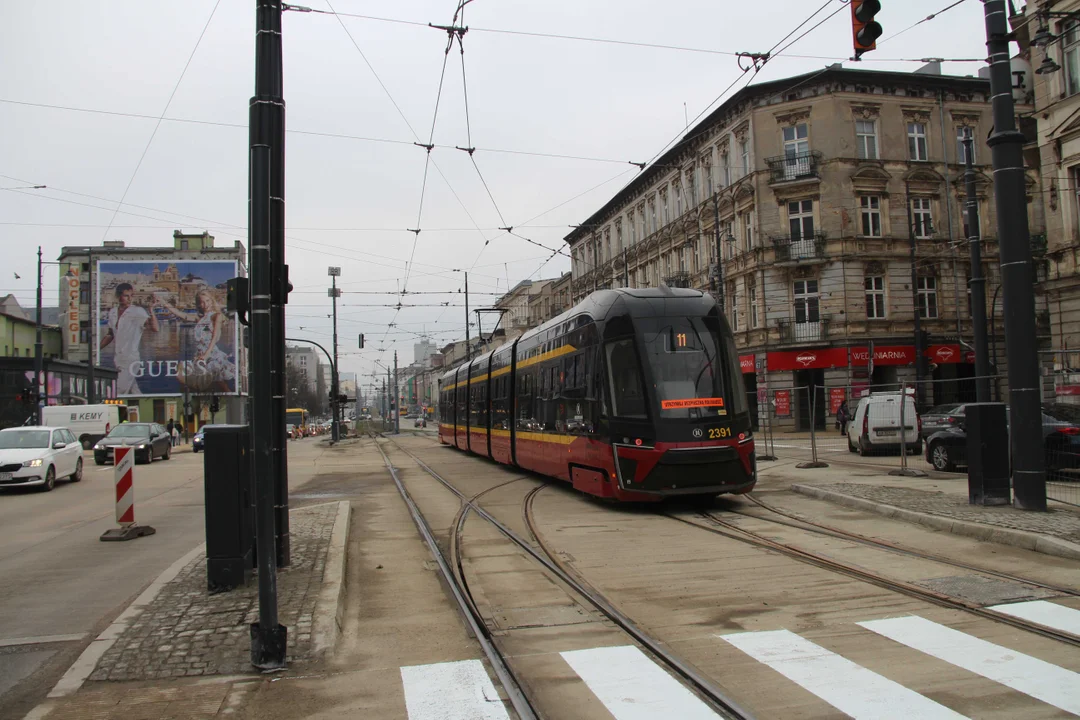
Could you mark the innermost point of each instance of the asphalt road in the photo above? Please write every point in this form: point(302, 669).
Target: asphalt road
point(62, 586)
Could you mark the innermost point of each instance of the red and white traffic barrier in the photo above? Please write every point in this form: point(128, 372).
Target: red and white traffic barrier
point(124, 480)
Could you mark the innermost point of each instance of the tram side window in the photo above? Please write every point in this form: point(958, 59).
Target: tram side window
point(627, 393)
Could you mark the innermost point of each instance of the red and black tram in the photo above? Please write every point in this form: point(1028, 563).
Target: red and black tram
point(634, 394)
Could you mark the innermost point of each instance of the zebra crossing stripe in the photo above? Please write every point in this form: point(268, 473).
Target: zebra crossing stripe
point(633, 687)
point(847, 686)
point(1047, 614)
point(1039, 679)
point(451, 691)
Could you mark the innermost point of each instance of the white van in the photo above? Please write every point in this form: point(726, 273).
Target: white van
point(88, 423)
point(876, 424)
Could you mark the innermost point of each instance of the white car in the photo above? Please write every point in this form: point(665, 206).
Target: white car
point(36, 456)
point(876, 424)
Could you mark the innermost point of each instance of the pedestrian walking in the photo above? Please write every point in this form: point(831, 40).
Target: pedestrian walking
point(842, 417)
point(175, 436)
point(170, 426)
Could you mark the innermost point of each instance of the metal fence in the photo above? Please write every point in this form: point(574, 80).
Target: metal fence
point(803, 424)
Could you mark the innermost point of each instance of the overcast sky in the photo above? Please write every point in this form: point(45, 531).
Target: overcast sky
point(351, 200)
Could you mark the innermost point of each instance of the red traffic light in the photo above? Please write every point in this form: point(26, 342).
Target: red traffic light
point(864, 30)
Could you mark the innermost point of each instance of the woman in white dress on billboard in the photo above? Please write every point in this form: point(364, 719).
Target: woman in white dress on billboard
point(211, 366)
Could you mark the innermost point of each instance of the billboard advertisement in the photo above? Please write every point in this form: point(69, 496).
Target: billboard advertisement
point(162, 324)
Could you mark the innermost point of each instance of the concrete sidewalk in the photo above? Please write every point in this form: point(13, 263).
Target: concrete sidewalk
point(179, 652)
point(939, 501)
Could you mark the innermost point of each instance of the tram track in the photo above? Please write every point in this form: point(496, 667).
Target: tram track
point(717, 699)
point(725, 528)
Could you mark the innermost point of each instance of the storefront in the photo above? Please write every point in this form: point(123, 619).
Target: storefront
point(803, 384)
point(65, 384)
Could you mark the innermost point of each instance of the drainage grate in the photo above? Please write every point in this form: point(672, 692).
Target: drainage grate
point(985, 591)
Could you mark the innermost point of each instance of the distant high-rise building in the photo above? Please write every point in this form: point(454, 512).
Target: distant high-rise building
point(423, 349)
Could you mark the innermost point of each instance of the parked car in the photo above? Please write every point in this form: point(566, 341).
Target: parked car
point(198, 442)
point(875, 426)
point(35, 456)
point(946, 450)
point(150, 441)
point(941, 417)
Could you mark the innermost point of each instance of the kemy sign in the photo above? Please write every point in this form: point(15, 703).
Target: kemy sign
point(691, 403)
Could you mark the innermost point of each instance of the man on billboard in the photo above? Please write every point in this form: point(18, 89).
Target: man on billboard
point(126, 325)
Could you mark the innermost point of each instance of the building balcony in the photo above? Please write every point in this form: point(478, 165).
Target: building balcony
point(798, 248)
point(680, 279)
point(799, 166)
point(803, 332)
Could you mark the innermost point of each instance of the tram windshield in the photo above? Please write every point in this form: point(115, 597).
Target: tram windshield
point(685, 357)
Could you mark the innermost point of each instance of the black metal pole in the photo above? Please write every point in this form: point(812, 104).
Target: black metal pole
point(920, 351)
point(977, 283)
point(397, 415)
point(272, 92)
point(91, 381)
point(335, 429)
point(993, 341)
point(39, 353)
point(1014, 249)
point(268, 637)
point(719, 259)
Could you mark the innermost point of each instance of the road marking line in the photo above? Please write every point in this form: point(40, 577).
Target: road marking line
point(1039, 679)
point(847, 686)
point(451, 691)
point(1045, 613)
point(633, 687)
point(40, 639)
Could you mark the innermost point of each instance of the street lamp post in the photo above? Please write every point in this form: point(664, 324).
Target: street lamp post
point(39, 356)
point(334, 273)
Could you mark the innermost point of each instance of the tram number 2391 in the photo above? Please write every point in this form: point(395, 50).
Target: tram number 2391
point(717, 433)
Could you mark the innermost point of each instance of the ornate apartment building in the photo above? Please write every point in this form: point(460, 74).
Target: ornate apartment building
point(1048, 32)
point(814, 188)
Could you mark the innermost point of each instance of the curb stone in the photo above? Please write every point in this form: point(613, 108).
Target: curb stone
point(327, 625)
point(1035, 542)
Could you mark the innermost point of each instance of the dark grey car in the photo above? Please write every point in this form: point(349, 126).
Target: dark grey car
point(941, 417)
point(150, 441)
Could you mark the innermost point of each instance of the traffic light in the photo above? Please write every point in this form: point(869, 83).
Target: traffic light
point(237, 297)
point(864, 31)
point(215, 406)
point(343, 399)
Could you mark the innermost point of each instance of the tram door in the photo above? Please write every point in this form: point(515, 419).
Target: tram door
point(815, 381)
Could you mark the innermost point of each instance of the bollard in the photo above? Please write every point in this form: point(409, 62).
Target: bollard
point(124, 477)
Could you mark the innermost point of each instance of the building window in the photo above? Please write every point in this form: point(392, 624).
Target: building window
point(641, 221)
point(652, 216)
point(920, 217)
point(866, 139)
point(916, 139)
point(751, 291)
point(796, 140)
point(870, 206)
point(630, 227)
point(961, 145)
point(801, 219)
point(677, 192)
point(725, 165)
point(664, 217)
point(875, 297)
point(1072, 57)
point(707, 171)
point(748, 231)
point(693, 184)
point(744, 150)
point(806, 307)
point(1074, 175)
point(84, 295)
point(927, 297)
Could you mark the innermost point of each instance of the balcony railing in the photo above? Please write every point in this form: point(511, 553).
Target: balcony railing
point(803, 332)
point(790, 248)
point(680, 279)
point(794, 167)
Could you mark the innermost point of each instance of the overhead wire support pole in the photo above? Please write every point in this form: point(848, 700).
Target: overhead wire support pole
point(397, 415)
point(1014, 250)
point(977, 283)
point(39, 352)
point(268, 637)
point(335, 407)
